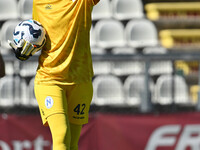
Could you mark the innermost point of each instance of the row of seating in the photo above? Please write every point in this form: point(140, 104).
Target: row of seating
point(105, 34)
point(119, 9)
point(127, 67)
point(136, 33)
point(100, 67)
point(118, 68)
point(108, 90)
point(16, 91)
point(14, 9)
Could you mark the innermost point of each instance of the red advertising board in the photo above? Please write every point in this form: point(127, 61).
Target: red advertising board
point(23, 132)
point(175, 131)
point(178, 131)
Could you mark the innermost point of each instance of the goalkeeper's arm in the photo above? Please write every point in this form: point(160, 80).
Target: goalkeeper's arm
point(24, 49)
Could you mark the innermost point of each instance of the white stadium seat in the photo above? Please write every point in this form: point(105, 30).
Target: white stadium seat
point(109, 33)
point(28, 69)
point(6, 32)
point(108, 90)
point(164, 90)
point(25, 9)
point(102, 67)
point(158, 67)
point(155, 50)
point(102, 10)
point(127, 9)
point(134, 86)
point(123, 51)
point(126, 67)
point(141, 33)
point(7, 91)
point(9, 68)
point(8, 9)
point(98, 51)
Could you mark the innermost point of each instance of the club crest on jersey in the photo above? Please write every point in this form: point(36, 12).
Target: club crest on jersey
point(48, 102)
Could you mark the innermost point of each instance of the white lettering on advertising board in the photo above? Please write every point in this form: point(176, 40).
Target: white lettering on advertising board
point(38, 144)
point(167, 135)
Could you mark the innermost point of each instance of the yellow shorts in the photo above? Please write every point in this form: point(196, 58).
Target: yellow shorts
point(73, 100)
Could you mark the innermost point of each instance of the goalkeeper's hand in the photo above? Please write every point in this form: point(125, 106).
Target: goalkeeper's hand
point(23, 50)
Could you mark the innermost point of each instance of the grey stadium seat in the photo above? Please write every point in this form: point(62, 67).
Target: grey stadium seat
point(8, 10)
point(108, 90)
point(109, 33)
point(25, 9)
point(127, 9)
point(141, 33)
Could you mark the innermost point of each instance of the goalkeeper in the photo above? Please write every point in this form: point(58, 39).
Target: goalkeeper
point(63, 82)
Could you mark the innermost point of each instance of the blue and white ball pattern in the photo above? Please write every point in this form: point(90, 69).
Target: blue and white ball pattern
point(30, 30)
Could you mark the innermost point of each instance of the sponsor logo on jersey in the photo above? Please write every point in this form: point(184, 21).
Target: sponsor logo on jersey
point(48, 6)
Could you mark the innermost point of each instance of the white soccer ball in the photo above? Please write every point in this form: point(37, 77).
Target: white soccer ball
point(30, 30)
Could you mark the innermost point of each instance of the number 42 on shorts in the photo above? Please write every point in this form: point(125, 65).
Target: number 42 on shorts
point(79, 109)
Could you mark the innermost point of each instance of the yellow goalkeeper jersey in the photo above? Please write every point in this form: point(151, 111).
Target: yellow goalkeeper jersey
point(66, 57)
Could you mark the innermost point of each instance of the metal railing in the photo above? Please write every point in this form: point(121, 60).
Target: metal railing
point(146, 104)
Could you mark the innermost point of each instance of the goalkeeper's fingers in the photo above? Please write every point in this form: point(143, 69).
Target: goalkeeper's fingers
point(15, 46)
point(23, 47)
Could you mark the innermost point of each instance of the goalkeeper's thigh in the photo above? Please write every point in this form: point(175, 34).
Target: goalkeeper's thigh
point(75, 135)
point(60, 131)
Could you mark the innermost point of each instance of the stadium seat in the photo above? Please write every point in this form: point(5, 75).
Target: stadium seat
point(9, 68)
point(6, 32)
point(25, 9)
point(134, 87)
point(123, 51)
point(28, 69)
point(127, 67)
point(108, 90)
point(155, 50)
point(109, 33)
point(8, 10)
point(102, 10)
point(98, 51)
point(127, 9)
point(164, 90)
point(141, 33)
point(158, 67)
point(102, 67)
point(5, 51)
point(7, 91)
